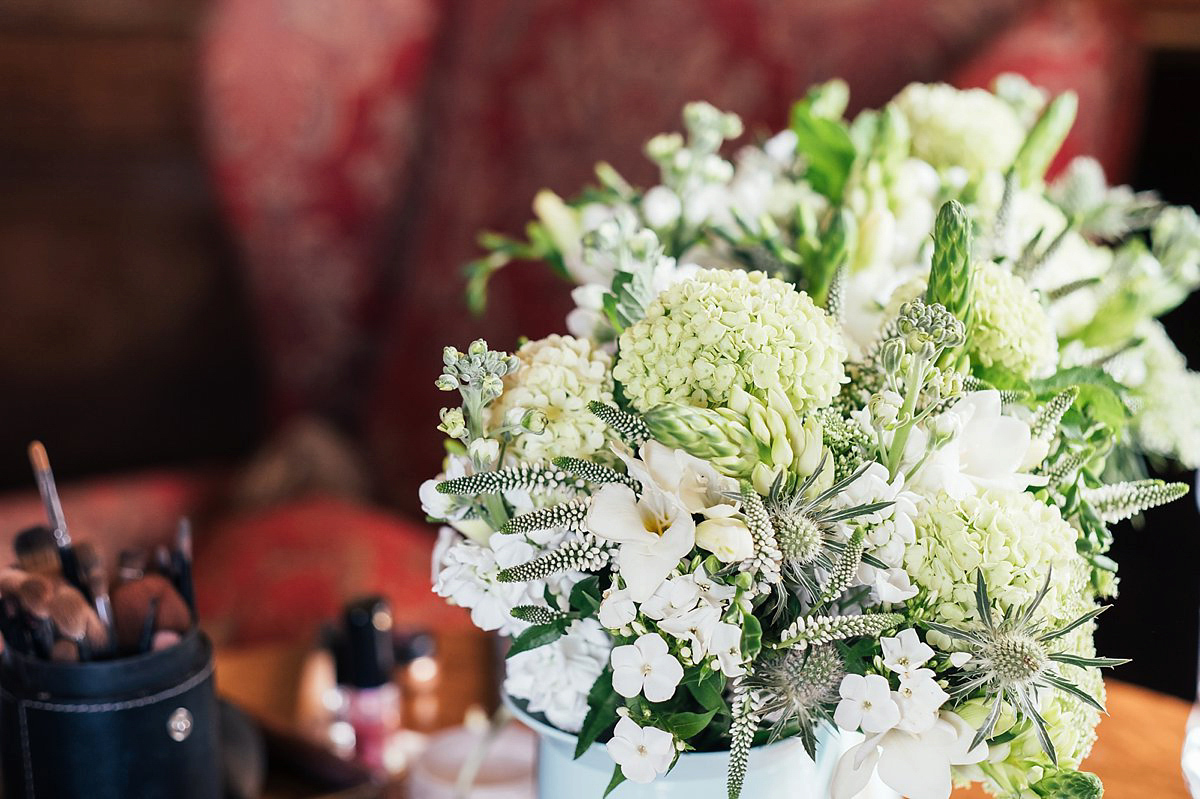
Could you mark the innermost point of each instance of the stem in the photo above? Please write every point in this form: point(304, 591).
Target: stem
point(913, 384)
point(493, 504)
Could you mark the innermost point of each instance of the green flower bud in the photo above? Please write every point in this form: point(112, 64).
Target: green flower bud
point(447, 382)
point(478, 347)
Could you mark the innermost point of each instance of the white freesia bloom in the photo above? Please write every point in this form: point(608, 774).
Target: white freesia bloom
point(642, 752)
point(646, 667)
point(727, 538)
point(656, 530)
point(905, 652)
point(887, 585)
point(555, 678)
point(867, 703)
point(716, 594)
point(916, 766)
point(988, 451)
point(617, 609)
point(653, 532)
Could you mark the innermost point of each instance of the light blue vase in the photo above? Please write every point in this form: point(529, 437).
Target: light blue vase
point(782, 770)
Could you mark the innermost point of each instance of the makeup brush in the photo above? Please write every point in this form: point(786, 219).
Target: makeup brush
point(37, 551)
point(13, 626)
point(34, 595)
point(131, 565)
point(54, 512)
point(181, 560)
point(131, 601)
point(75, 620)
point(91, 569)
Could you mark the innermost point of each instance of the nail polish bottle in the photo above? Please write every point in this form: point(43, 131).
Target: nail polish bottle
point(366, 663)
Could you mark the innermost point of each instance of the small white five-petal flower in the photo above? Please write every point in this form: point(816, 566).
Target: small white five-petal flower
point(867, 703)
point(906, 652)
point(642, 752)
point(646, 667)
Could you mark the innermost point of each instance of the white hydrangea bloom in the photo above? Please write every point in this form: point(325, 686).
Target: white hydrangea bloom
point(968, 128)
point(555, 678)
point(559, 376)
point(1010, 328)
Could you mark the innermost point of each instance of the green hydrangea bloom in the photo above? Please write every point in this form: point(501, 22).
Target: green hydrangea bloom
point(558, 376)
point(721, 330)
point(1010, 328)
point(1013, 538)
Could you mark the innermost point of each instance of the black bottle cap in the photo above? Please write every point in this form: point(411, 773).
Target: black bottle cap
point(369, 656)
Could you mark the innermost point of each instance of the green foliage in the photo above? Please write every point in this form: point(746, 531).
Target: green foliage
point(686, 725)
point(826, 144)
point(617, 779)
point(586, 596)
point(538, 635)
point(602, 712)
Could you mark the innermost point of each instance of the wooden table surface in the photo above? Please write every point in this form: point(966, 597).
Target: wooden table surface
point(1137, 755)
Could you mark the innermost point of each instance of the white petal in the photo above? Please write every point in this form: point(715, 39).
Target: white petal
point(664, 676)
point(651, 646)
point(848, 715)
point(614, 515)
point(851, 775)
point(914, 768)
point(627, 682)
point(626, 657)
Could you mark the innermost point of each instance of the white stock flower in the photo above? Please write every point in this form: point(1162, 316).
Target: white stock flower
point(646, 667)
point(617, 609)
point(694, 627)
point(452, 509)
point(727, 538)
point(919, 699)
point(905, 652)
point(555, 678)
point(916, 766)
point(642, 752)
point(661, 207)
point(725, 644)
point(866, 703)
point(968, 128)
point(673, 597)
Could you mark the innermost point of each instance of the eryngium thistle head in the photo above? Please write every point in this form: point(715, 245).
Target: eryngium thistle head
point(1014, 658)
point(796, 687)
point(800, 538)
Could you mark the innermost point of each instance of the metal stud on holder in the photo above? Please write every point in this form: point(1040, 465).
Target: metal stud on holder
point(179, 725)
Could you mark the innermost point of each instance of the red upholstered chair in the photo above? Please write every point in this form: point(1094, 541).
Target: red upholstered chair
point(359, 145)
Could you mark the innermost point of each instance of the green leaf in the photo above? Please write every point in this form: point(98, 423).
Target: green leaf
point(585, 596)
point(686, 725)
point(707, 688)
point(538, 635)
point(617, 779)
point(1099, 394)
point(602, 711)
point(751, 636)
point(827, 148)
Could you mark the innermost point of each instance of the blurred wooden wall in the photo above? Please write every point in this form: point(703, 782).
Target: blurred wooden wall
point(125, 341)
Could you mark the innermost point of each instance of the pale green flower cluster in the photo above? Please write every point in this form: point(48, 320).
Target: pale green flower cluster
point(969, 128)
point(1013, 538)
point(558, 376)
point(721, 330)
point(1167, 418)
point(1010, 328)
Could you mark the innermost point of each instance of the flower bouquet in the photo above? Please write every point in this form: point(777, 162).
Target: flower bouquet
point(834, 444)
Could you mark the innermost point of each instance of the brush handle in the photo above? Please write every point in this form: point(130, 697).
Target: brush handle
point(54, 511)
point(147, 639)
point(182, 568)
point(71, 571)
point(43, 637)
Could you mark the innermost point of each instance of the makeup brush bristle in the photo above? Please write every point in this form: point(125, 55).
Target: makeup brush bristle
point(38, 456)
point(34, 594)
point(132, 600)
point(75, 619)
point(37, 551)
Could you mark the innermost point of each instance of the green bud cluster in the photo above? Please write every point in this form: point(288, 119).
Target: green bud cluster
point(926, 330)
point(479, 368)
point(1015, 658)
point(950, 274)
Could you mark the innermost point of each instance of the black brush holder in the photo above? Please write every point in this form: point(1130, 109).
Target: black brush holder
point(144, 726)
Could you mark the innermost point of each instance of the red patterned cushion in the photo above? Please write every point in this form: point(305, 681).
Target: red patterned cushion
point(279, 574)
